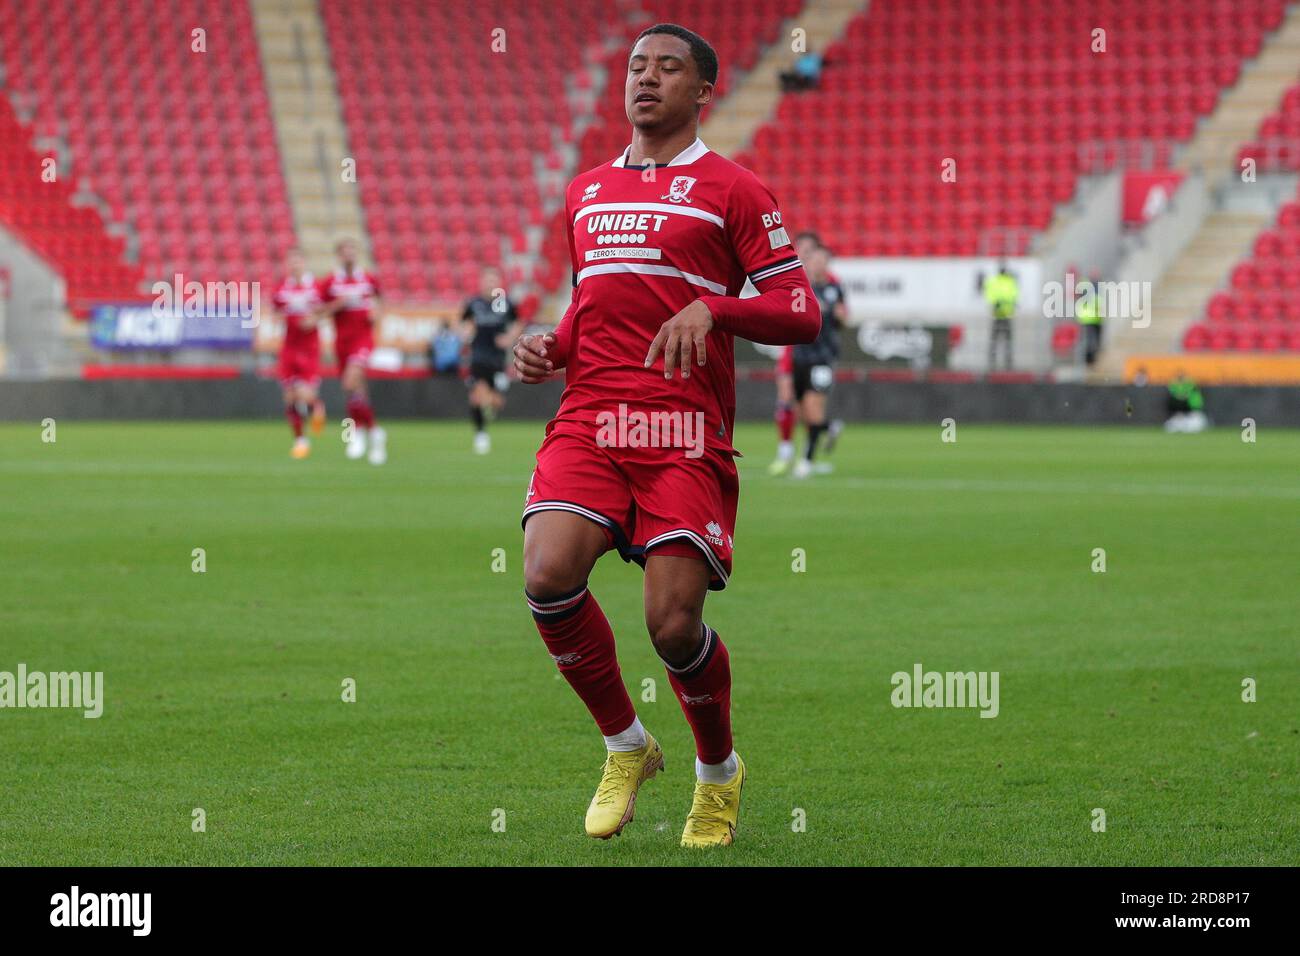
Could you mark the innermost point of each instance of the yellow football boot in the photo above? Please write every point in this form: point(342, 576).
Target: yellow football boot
point(715, 810)
point(611, 807)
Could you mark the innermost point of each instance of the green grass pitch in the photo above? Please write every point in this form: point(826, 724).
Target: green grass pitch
point(1119, 690)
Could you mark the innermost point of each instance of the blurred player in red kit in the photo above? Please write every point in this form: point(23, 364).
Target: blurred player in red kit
point(662, 239)
point(351, 295)
point(297, 301)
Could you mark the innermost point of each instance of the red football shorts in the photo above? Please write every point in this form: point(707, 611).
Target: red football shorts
point(648, 499)
point(299, 368)
point(354, 349)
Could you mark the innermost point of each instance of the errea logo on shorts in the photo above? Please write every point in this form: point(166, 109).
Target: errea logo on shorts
point(713, 533)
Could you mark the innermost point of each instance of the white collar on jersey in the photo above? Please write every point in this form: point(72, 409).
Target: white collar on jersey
point(689, 155)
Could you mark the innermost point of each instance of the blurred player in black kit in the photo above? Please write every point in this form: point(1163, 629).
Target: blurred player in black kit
point(490, 325)
point(814, 363)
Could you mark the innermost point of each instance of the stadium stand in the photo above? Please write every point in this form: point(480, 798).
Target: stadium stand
point(914, 88)
point(177, 141)
point(1277, 146)
point(1260, 311)
point(417, 101)
point(71, 238)
point(1005, 88)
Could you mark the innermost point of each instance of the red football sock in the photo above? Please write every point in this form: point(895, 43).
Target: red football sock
point(703, 687)
point(785, 421)
point(582, 645)
point(295, 419)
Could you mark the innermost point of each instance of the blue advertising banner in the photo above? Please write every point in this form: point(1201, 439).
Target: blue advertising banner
point(154, 327)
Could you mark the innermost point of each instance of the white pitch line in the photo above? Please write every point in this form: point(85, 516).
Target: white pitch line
point(1056, 487)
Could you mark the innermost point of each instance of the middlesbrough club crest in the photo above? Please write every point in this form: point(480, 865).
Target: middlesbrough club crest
point(678, 189)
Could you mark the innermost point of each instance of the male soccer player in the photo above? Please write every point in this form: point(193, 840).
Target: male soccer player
point(661, 239)
point(804, 244)
point(814, 362)
point(297, 300)
point(489, 323)
point(351, 295)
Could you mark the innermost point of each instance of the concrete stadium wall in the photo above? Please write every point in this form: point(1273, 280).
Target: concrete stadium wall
point(125, 399)
point(31, 342)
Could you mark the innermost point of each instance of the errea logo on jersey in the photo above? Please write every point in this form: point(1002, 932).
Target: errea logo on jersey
point(678, 189)
point(590, 192)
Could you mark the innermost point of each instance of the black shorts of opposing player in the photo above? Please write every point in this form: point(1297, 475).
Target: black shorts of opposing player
point(813, 378)
point(814, 362)
point(490, 373)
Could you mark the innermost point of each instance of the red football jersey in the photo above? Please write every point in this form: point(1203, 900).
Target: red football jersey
point(644, 247)
point(357, 292)
point(294, 299)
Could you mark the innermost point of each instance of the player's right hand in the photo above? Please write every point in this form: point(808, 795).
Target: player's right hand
point(530, 358)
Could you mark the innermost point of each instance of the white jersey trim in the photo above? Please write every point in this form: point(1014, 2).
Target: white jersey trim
point(649, 207)
point(687, 156)
point(716, 288)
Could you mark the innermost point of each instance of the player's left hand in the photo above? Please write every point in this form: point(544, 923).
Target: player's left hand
point(688, 328)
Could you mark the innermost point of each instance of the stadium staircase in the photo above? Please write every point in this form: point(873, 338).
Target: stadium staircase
point(1242, 108)
point(313, 142)
point(730, 127)
point(1181, 292)
point(1258, 308)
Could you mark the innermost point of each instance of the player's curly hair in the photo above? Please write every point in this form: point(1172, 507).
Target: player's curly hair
point(706, 58)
